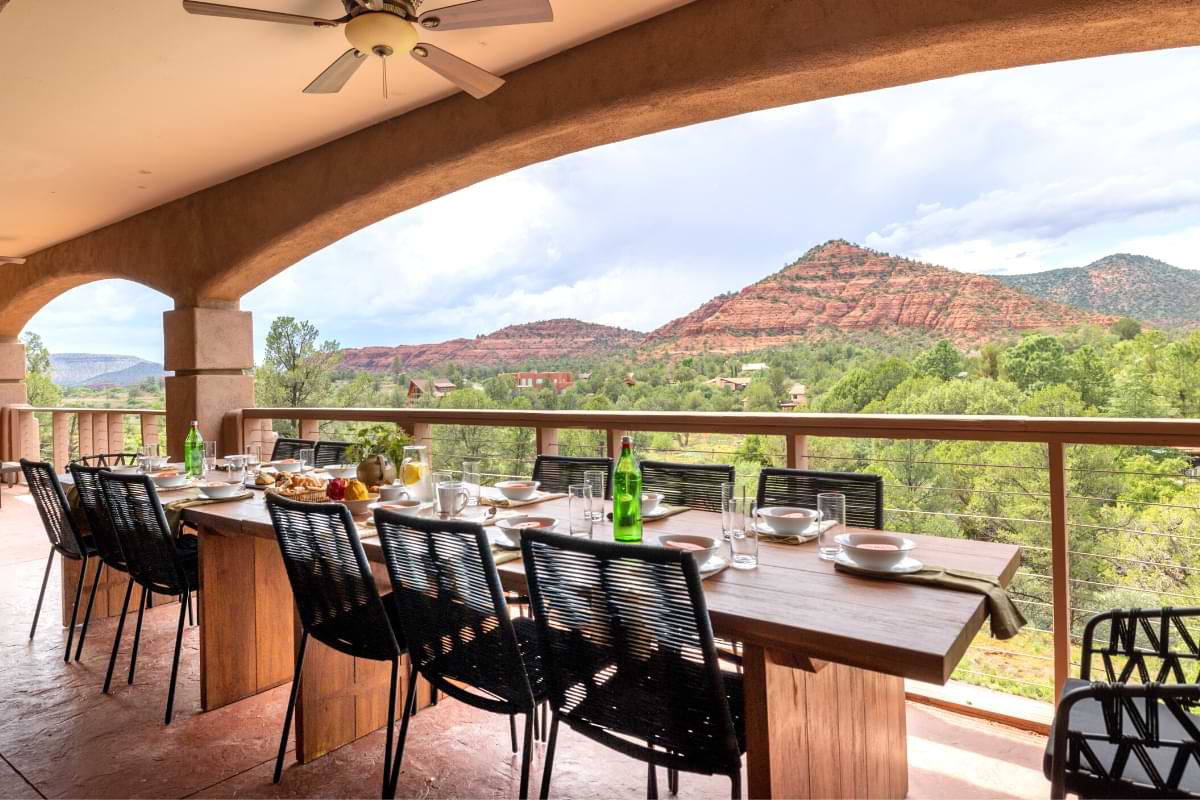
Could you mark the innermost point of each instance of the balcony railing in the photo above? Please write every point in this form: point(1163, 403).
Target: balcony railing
point(60, 435)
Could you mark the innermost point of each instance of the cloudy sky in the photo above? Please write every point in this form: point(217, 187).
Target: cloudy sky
point(1013, 171)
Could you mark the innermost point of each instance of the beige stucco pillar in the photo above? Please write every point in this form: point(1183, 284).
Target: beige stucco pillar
point(12, 372)
point(211, 351)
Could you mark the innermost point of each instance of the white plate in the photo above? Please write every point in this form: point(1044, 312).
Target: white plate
point(659, 512)
point(714, 565)
point(904, 566)
point(807, 535)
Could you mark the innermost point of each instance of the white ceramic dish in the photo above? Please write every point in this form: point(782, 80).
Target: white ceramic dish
point(344, 471)
point(290, 465)
point(703, 548)
point(518, 490)
point(401, 506)
point(169, 481)
point(788, 520)
point(217, 490)
point(904, 566)
point(513, 527)
point(360, 507)
point(650, 501)
point(392, 492)
point(659, 512)
point(806, 535)
point(877, 551)
point(156, 462)
point(124, 469)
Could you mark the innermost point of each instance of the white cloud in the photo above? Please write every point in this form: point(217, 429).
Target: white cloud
point(1180, 248)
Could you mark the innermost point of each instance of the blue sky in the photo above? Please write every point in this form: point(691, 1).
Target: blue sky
point(1012, 171)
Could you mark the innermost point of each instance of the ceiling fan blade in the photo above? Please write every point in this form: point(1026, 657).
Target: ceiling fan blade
point(9, 259)
point(473, 80)
point(3, 3)
point(336, 74)
point(237, 12)
point(485, 13)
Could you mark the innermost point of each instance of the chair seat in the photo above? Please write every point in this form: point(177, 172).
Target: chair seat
point(356, 633)
point(486, 677)
point(1087, 717)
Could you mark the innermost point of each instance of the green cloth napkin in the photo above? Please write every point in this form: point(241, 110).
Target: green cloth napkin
point(174, 509)
point(504, 556)
point(1005, 618)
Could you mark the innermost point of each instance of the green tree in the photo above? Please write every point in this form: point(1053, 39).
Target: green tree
point(296, 370)
point(759, 397)
point(941, 361)
point(1089, 375)
point(1126, 328)
point(862, 385)
point(1036, 361)
point(38, 383)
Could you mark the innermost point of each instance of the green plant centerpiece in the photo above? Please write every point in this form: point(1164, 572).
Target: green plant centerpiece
point(378, 449)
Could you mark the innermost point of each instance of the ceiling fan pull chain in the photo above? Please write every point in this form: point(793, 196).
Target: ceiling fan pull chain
point(383, 59)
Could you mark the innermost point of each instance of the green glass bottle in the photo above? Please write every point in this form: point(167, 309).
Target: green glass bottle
point(627, 496)
point(193, 452)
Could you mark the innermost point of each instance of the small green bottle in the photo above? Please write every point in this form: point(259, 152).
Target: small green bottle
point(193, 452)
point(627, 496)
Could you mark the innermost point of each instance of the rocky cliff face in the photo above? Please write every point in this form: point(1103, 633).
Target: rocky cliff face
point(512, 346)
point(840, 288)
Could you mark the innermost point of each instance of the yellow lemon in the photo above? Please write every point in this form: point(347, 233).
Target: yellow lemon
point(410, 474)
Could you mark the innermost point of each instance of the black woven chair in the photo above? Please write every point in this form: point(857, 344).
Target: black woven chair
point(154, 558)
point(290, 448)
point(108, 547)
point(330, 453)
point(1134, 735)
point(800, 487)
point(556, 473)
point(336, 598)
point(65, 537)
point(692, 485)
point(107, 460)
point(628, 655)
point(460, 635)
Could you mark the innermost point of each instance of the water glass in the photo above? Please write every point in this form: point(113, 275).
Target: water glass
point(254, 455)
point(727, 507)
point(831, 517)
point(743, 534)
point(210, 456)
point(580, 509)
point(596, 479)
point(308, 457)
point(471, 477)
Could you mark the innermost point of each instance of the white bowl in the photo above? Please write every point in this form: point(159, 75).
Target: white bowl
point(124, 469)
point(518, 490)
point(393, 491)
point(403, 506)
point(875, 550)
point(513, 527)
point(703, 548)
point(216, 490)
point(156, 462)
point(788, 520)
point(169, 481)
point(344, 471)
point(288, 465)
point(360, 507)
point(650, 501)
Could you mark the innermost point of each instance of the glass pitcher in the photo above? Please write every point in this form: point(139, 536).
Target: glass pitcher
point(416, 473)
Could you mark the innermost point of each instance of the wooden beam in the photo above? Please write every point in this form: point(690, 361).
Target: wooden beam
point(797, 451)
point(547, 441)
point(1060, 566)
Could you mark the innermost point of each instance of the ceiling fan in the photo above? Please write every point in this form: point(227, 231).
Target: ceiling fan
point(384, 27)
point(9, 259)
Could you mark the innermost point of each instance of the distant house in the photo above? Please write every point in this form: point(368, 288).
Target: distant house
point(754, 367)
point(629, 380)
point(736, 384)
point(558, 381)
point(435, 387)
point(797, 397)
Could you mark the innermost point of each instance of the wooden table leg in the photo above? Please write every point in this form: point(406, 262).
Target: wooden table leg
point(246, 643)
point(837, 732)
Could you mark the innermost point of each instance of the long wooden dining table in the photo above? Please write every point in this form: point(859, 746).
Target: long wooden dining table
point(825, 653)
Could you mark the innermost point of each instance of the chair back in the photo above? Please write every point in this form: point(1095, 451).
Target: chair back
point(290, 448)
point(95, 510)
point(108, 460)
point(330, 453)
point(627, 648)
point(453, 610)
point(331, 579)
point(146, 540)
point(692, 485)
point(52, 506)
point(800, 487)
point(556, 473)
point(1144, 645)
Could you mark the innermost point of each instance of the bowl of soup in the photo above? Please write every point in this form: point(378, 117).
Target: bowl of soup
point(788, 520)
point(702, 548)
point(875, 550)
point(518, 490)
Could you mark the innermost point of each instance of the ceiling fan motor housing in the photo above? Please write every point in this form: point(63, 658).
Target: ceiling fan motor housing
point(380, 29)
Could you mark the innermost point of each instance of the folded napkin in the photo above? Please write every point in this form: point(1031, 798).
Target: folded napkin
point(504, 502)
point(776, 538)
point(504, 555)
point(663, 512)
point(1005, 618)
point(174, 509)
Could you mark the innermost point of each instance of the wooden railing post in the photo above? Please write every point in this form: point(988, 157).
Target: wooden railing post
point(31, 440)
point(547, 441)
point(86, 447)
point(797, 451)
point(614, 443)
point(116, 432)
point(310, 429)
point(149, 423)
point(60, 439)
point(1060, 566)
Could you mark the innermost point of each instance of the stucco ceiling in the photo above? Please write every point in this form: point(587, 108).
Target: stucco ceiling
point(110, 107)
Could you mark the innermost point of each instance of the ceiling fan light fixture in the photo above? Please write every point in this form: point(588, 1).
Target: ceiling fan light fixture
point(366, 32)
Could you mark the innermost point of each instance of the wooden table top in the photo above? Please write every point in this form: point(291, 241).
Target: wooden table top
point(794, 602)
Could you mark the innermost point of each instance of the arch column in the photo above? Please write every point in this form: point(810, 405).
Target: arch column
point(12, 372)
point(211, 351)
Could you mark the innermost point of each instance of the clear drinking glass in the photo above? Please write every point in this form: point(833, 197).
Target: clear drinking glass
point(596, 479)
point(743, 534)
point(210, 456)
point(254, 455)
point(307, 457)
point(580, 504)
point(728, 493)
point(471, 477)
point(831, 511)
point(147, 457)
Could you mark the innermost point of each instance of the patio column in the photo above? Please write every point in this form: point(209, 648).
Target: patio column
point(210, 350)
point(12, 372)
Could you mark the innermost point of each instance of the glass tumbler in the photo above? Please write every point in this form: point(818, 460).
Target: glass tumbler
point(596, 479)
point(307, 456)
point(831, 511)
point(580, 509)
point(210, 456)
point(727, 508)
point(743, 534)
point(471, 475)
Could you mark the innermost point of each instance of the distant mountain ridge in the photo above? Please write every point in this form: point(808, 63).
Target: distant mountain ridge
point(1124, 284)
point(514, 345)
point(99, 370)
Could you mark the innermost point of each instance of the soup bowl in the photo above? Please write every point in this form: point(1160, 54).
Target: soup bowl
point(788, 520)
point(217, 490)
point(344, 471)
point(650, 501)
point(518, 490)
point(875, 550)
point(703, 548)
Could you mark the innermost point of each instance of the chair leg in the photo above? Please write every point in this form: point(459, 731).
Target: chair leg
point(545, 719)
point(549, 766)
point(651, 782)
point(191, 615)
point(525, 756)
point(388, 790)
point(42, 594)
point(137, 636)
point(735, 790)
point(672, 781)
point(87, 615)
point(175, 661)
point(512, 730)
point(536, 727)
point(112, 660)
point(75, 607)
point(410, 702)
point(287, 718)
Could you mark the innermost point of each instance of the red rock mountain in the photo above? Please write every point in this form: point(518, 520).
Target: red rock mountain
point(838, 289)
point(512, 346)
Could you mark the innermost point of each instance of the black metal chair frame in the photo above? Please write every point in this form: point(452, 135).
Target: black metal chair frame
point(800, 487)
point(63, 533)
point(1131, 712)
point(556, 473)
point(336, 599)
point(107, 460)
point(437, 617)
point(328, 452)
point(290, 448)
point(624, 650)
point(153, 560)
point(692, 485)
